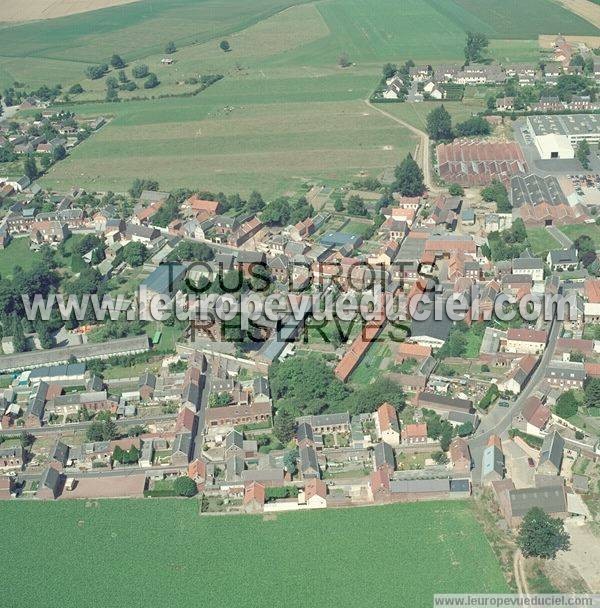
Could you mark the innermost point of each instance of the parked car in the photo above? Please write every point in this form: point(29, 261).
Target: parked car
point(530, 462)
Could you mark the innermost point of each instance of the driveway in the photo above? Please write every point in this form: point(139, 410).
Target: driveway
point(561, 237)
point(517, 467)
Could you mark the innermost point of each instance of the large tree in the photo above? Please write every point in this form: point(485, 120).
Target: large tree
point(30, 168)
point(541, 535)
point(475, 46)
point(592, 392)
point(439, 124)
point(284, 426)
point(409, 178)
point(185, 486)
point(117, 62)
point(567, 405)
point(583, 153)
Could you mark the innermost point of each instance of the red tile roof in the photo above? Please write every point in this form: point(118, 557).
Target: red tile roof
point(526, 335)
point(185, 420)
point(315, 487)
point(414, 431)
point(406, 350)
point(198, 204)
point(197, 468)
point(254, 492)
point(592, 290)
point(535, 412)
point(388, 419)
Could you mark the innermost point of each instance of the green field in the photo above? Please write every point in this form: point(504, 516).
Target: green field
point(285, 113)
point(576, 230)
point(16, 254)
point(373, 30)
point(159, 552)
point(540, 240)
point(183, 143)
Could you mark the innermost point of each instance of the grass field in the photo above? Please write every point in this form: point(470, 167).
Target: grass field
point(184, 143)
point(345, 556)
point(285, 113)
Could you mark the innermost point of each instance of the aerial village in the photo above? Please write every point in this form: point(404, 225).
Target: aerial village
point(103, 409)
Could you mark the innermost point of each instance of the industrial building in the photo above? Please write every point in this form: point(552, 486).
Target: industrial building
point(533, 190)
point(557, 136)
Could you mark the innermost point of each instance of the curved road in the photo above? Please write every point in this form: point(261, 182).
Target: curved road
point(499, 420)
point(423, 151)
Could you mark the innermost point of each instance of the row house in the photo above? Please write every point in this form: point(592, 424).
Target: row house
point(526, 341)
point(47, 233)
point(566, 374)
point(246, 231)
point(218, 419)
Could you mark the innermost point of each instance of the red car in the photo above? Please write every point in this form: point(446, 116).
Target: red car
point(530, 462)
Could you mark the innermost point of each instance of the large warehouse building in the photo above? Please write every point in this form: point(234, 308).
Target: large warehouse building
point(557, 136)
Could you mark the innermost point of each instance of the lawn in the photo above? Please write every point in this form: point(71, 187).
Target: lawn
point(345, 554)
point(17, 254)
point(576, 230)
point(356, 227)
point(117, 372)
point(541, 241)
point(369, 368)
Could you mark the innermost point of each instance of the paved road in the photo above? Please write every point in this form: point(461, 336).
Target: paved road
point(201, 416)
point(80, 426)
point(96, 473)
point(423, 151)
point(561, 237)
point(499, 420)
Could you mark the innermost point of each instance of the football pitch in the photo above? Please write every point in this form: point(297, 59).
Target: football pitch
point(161, 552)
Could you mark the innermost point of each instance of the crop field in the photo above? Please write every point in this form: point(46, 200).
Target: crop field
point(66, 552)
point(183, 143)
point(285, 112)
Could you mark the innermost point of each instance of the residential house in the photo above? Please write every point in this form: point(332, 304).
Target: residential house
point(460, 456)
point(530, 266)
point(11, 458)
point(181, 449)
point(563, 259)
point(383, 457)
point(534, 416)
point(146, 385)
point(309, 464)
point(315, 493)
point(328, 423)
point(254, 497)
point(442, 404)
point(50, 485)
point(525, 341)
point(414, 433)
point(551, 454)
point(518, 376)
point(566, 374)
point(47, 233)
point(387, 425)
point(492, 466)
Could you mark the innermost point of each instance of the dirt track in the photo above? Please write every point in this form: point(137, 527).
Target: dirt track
point(13, 11)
